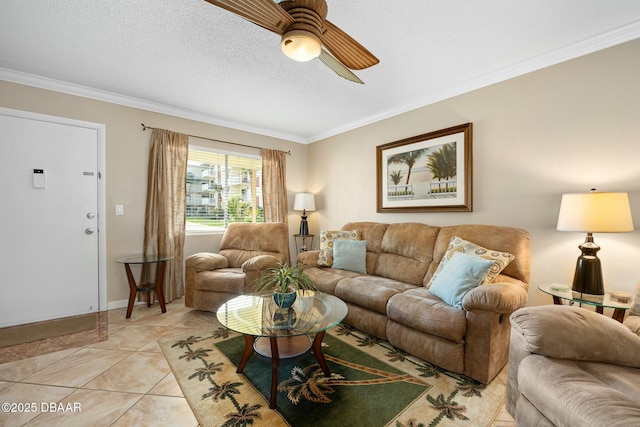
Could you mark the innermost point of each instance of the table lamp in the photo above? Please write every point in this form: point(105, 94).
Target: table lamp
point(304, 202)
point(593, 212)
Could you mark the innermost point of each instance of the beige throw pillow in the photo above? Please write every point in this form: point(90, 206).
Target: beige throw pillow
point(326, 244)
point(457, 244)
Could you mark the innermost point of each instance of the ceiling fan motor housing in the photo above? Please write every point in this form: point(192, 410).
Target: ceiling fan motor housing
point(306, 33)
point(302, 40)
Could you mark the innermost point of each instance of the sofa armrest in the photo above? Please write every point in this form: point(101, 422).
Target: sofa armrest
point(309, 258)
point(574, 333)
point(633, 323)
point(497, 297)
point(254, 267)
point(206, 261)
point(196, 263)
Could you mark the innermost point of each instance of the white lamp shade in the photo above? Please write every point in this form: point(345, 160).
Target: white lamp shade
point(595, 213)
point(304, 201)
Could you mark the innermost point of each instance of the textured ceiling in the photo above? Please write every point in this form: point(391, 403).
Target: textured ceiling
point(191, 59)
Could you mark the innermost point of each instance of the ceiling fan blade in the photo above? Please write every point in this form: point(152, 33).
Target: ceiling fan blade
point(264, 13)
point(348, 51)
point(338, 67)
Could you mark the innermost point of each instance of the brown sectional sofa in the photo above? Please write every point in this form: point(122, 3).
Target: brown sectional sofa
point(391, 301)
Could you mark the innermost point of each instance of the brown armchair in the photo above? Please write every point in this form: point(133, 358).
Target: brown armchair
point(246, 250)
point(569, 366)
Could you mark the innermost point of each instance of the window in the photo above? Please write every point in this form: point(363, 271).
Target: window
point(222, 188)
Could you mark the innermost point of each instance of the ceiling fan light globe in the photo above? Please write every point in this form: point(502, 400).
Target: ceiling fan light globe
point(301, 45)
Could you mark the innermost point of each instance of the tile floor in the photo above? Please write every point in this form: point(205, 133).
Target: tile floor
point(124, 381)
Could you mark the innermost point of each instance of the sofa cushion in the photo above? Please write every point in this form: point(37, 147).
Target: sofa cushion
point(406, 252)
point(243, 241)
point(372, 232)
point(325, 257)
point(462, 273)
point(571, 393)
point(221, 280)
point(237, 257)
point(326, 279)
point(371, 292)
point(513, 240)
point(421, 310)
point(350, 255)
point(457, 244)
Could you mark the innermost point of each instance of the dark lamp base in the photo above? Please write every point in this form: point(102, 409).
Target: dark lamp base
point(304, 225)
point(587, 280)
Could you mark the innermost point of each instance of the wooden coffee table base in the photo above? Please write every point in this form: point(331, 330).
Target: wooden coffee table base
point(249, 341)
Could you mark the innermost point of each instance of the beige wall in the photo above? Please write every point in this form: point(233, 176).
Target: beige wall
point(127, 148)
point(566, 128)
point(563, 129)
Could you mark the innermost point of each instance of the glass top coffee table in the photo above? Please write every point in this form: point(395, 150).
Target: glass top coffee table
point(278, 333)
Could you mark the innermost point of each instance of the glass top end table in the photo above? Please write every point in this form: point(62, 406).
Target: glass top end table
point(161, 264)
point(561, 292)
point(288, 331)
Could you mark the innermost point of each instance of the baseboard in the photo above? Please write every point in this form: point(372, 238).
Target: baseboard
point(37, 331)
point(59, 342)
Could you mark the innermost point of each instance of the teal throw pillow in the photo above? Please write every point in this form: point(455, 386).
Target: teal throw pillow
point(462, 273)
point(350, 255)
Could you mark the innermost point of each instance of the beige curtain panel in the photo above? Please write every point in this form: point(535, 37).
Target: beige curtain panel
point(274, 186)
point(165, 210)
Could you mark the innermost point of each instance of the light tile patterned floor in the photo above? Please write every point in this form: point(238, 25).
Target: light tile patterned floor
point(124, 381)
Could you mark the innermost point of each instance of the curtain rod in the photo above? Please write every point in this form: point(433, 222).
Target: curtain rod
point(145, 127)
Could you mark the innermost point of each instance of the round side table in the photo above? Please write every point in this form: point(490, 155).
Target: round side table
point(161, 265)
point(561, 292)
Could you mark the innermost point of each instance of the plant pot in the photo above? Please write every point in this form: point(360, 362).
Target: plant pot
point(284, 300)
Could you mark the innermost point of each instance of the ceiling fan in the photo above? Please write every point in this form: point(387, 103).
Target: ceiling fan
point(306, 33)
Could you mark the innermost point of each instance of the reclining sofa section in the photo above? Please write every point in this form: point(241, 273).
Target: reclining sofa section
point(392, 300)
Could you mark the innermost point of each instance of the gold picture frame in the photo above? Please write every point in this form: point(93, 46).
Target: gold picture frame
point(426, 173)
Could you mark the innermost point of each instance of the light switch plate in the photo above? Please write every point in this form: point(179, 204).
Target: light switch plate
point(119, 209)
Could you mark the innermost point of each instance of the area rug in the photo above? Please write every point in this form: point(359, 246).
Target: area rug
point(371, 384)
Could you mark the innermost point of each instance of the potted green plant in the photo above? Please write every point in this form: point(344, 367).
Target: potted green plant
point(284, 281)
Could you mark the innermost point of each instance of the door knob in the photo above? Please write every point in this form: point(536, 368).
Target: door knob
point(89, 231)
point(90, 215)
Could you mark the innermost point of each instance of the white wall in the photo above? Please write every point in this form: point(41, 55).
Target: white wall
point(566, 128)
point(127, 152)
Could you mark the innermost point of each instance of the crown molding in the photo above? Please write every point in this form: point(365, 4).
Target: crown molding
point(129, 101)
point(593, 44)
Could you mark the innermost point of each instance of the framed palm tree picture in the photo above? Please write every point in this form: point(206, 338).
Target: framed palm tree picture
point(426, 173)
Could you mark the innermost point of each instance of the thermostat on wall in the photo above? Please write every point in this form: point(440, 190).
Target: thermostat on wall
point(39, 179)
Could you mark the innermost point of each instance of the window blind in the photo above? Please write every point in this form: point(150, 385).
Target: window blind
point(222, 188)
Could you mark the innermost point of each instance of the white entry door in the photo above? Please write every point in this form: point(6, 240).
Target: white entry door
point(49, 220)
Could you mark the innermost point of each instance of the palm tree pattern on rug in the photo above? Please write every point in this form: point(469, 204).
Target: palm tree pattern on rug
point(447, 406)
point(309, 383)
point(245, 414)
